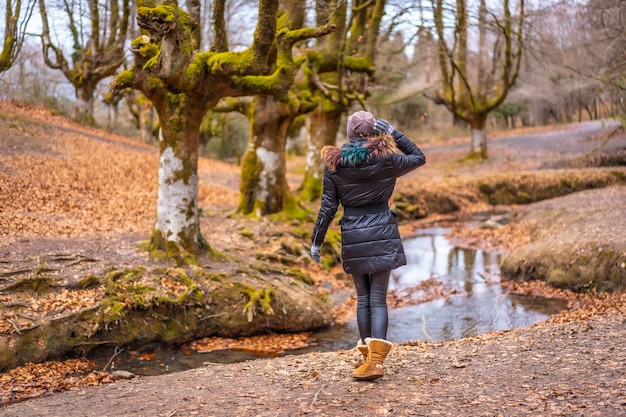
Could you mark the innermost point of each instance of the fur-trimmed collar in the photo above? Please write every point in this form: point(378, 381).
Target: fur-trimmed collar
point(358, 151)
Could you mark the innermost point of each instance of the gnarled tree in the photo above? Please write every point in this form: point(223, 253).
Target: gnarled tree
point(97, 47)
point(264, 188)
point(184, 84)
point(17, 16)
point(340, 70)
point(475, 83)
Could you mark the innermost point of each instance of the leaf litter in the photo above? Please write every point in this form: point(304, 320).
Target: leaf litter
point(70, 188)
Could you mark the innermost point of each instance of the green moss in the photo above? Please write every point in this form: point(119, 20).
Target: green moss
point(38, 285)
point(155, 83)
point(162, 249)
point(246, 233)
point(150, 63)
point(250, 175)
point(114, 312)
point(300, 275)
point(89, 281)
point(292, 210)
point(311, 189)
point(129, 290)
point(165, 12)
point(237, 62)
point(126, 77)
point(359, 64)
point(198, 65)
point(619, 175)
point(213, 276)
point(258, 298)
point(262, 84)
point(329, 106)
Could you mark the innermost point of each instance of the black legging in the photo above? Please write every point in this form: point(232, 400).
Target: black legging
point(371, 310)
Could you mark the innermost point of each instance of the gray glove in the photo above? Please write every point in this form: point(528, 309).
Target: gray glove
point(315, 253)
point(382, 126)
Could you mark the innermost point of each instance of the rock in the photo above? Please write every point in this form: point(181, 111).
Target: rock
point(123, 375)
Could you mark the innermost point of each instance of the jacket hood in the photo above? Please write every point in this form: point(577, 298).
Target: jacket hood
point(358, 152)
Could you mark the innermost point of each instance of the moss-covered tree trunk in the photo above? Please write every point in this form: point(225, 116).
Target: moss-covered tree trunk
point(177, 224)
point(183, 84)
point(264, 188)
point(340, 68)
point(322, 127)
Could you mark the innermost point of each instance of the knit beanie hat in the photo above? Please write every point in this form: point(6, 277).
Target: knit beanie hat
point(361, 124)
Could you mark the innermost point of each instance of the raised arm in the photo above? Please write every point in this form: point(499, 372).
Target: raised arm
point(413, 157)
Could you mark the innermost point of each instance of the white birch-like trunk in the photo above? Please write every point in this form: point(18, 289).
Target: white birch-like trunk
point(479, 142)
point(177, 203)
point(268, 177)
point(314, 165)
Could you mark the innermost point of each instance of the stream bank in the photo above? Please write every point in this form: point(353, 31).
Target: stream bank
point(576, 242)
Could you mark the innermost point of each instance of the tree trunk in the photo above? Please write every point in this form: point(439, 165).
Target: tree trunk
point(146, 121)
point(479, 137)
point(84, 102)
point(322, 127)
point(264, 188)
point(177, 220)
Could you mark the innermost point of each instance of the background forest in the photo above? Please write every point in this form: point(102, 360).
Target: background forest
point(573, 67)
point(252, 81)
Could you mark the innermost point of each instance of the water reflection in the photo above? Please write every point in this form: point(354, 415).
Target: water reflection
point(430, 255)
point(480, 306)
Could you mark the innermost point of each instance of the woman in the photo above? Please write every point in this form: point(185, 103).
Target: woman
point(361, 175)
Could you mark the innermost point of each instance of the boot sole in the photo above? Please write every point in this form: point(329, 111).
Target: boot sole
point(368, 376)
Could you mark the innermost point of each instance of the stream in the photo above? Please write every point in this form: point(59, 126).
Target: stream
point(478, 305)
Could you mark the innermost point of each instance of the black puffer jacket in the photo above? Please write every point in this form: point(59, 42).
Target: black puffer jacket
point(361, 175)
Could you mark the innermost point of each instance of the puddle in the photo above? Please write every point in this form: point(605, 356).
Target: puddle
point(479, 305)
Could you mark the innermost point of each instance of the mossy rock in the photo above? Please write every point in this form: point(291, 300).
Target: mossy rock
point(564, 267)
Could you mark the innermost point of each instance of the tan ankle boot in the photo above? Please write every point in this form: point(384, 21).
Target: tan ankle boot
point(363, 350)
point(373, 366)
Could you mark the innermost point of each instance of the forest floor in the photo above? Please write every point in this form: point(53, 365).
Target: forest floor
point(81, 191)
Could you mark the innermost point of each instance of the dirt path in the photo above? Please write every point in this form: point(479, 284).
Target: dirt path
point(557, 369)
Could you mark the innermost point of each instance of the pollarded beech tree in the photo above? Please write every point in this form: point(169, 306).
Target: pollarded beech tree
point(340, 71)
point(264, 188)
point(17, 16)
point(97, 46)
point(474, 84)
point(183, 84)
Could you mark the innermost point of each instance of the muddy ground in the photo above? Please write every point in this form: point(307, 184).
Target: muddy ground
point(570, 365)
